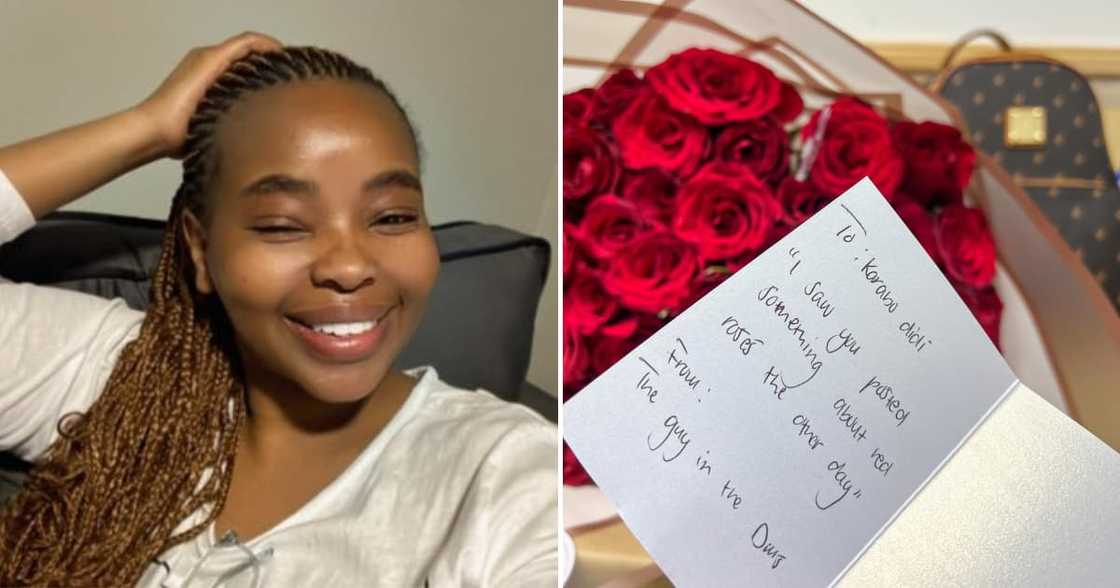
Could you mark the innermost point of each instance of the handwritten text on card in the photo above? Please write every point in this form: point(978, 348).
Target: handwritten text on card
point(768, 434)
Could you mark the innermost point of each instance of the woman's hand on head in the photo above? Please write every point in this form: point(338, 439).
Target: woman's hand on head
point(170, 107)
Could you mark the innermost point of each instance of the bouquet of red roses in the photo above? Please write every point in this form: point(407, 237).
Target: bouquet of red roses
point(674, 181)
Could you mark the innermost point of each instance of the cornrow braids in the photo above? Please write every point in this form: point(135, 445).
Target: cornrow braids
point(159, 443)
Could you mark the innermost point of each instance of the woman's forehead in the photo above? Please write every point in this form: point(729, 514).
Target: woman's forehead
point(301, 122)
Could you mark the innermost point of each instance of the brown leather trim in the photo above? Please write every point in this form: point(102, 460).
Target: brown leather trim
point(970, 37)
point(1085, 403)
point(1007, 57)
point(1078, 399)
point(1018, 195)
point(1012, 57)
point(1103, 309)
point(1036, 216)
point(916, 57)
point(1086, 361)
point(1059, 182)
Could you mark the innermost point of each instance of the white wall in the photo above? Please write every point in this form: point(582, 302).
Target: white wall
point(1079, 23)
point(479, 79)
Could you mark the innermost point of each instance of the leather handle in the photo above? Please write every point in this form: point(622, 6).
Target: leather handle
point(972, 36)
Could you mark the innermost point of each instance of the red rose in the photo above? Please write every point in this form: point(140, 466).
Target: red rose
point(610, 224)
point(938, 161)
point(655, 274)
point(590, 167)
point(779, 232)
point(650, 134)
point(760, 144)
point(653, 191)
point(570, 251)
point(574, 474)
point(719, 88)
point(801, 200)
point(790, 106)
point(575, 357)
point(920, 223)
point(587, 306)
point(965, 245)
point(856, 143)
point(608, 350)
point(713, 276)
point(986, 307)
point(725, 211)
point(577, 105)
point(613, 96)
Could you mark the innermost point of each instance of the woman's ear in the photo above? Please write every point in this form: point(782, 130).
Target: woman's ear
point(195, 234)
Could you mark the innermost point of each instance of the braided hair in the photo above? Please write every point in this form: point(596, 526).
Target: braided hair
point(159, 443)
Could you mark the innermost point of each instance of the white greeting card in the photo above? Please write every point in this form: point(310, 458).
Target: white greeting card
point(772, 431)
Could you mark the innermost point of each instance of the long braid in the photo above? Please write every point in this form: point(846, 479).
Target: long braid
point(159, 443)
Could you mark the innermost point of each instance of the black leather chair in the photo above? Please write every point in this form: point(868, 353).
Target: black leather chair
point(478, 328)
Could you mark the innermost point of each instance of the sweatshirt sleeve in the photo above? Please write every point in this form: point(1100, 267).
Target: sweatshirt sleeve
point(15, 215)
point(515, 494)
point(57, 346)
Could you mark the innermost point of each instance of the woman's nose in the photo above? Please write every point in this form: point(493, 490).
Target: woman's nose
point(345, 261)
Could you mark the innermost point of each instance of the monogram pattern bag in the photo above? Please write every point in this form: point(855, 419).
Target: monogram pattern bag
point(1039, 119)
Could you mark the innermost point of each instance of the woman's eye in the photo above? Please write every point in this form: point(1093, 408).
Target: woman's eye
point(396, 219)
point(391, 221)
point(276, 229)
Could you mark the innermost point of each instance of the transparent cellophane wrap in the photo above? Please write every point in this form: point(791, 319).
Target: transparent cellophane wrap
point(976, 521)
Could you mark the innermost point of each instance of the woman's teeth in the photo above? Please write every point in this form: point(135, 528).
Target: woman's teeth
point(344, 329)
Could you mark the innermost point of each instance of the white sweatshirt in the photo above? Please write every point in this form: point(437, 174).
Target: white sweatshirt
point(459, 489)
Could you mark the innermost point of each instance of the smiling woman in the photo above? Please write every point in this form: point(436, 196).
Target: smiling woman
point(296, 266)
point(312, 219)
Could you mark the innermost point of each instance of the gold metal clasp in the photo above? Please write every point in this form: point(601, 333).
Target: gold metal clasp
point(1024, 127)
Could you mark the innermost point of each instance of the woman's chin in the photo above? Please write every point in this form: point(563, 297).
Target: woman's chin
point(341, 393)
point(345, 388)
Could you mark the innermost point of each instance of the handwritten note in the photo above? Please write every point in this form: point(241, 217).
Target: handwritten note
point(769, 433)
